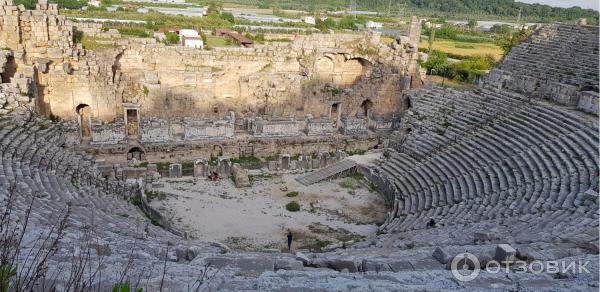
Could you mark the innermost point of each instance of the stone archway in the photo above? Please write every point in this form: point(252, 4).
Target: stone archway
point(353, 69)
point(136, 153)
point(335, 112)
point(84, 114)
point(325, 68)
point(366, 107)
point(9, 69)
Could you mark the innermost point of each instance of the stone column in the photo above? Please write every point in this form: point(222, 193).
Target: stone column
point(200, 167)
point(175, 170)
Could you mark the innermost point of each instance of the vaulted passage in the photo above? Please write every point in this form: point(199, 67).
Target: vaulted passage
point(9, 70)
point(135, 153)
point(84, 113)
point(132, 122)
point(339, 71)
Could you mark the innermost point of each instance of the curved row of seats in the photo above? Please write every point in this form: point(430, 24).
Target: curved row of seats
point(34, 163)
point(559, 53)
point(485, 156)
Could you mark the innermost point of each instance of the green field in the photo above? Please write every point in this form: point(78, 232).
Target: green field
point(217, 41)
point(464, 48)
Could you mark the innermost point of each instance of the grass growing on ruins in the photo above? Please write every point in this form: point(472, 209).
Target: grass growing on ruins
point(271, 158)
point(464, 49)
point(357, 175)
point(162, 167)
point(291, 194)
point(356, 152)
point(246, 160)
point(92, 43)
point(187, 168)
point(349, 184)
point(293, 206)
point(152, 195)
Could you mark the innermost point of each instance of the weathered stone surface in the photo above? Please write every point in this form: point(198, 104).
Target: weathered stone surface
point(441, 255)
point(240, 176)
point(248, 266)
point(303, 258)
point(505, 253)
point(289, 264)
point(175, 170)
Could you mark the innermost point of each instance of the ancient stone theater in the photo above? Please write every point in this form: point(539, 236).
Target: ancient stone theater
point(99, 145)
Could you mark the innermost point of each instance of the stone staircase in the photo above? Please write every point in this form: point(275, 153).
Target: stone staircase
point(327, 172)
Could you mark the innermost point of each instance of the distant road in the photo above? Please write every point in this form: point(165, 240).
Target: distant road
point(106, 20)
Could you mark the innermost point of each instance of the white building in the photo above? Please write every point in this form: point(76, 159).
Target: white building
point(309, 20)
point(160, 36)
point(373, 25)
point(188, 33)
point(95, 3)
point(193, 42)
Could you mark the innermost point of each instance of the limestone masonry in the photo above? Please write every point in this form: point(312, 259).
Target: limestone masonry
point(507, 171)
point(134, 90)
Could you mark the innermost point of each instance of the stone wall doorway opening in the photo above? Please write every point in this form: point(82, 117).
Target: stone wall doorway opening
point(84, 117)
point(334, 114)
point(367, 107)
point(9, 70)
point(135, 153)
point(132, 117)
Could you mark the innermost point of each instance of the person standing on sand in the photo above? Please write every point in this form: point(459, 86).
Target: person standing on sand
point(290, 238)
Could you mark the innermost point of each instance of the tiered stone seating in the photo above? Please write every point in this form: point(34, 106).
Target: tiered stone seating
point(559, 53)
point(488, 165)
point(495, 158)
point(35, 163)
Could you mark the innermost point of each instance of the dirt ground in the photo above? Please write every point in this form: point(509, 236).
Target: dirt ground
point(256, 218)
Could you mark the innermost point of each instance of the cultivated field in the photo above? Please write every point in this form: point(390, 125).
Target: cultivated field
point(464, 48)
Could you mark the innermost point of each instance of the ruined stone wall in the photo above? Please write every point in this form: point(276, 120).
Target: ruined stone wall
point(557, 62)
point(320, 82)
point(303, 77)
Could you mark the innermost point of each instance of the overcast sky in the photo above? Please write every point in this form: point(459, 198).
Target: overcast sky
point(593, 4)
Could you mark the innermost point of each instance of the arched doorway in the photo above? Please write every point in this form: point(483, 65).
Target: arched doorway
point(335, 113)
point(407, 103)
point(9, 70)
point(353, 70)
point(135, 153)
point(84, 113)
point(367, 107)
point(325, 68)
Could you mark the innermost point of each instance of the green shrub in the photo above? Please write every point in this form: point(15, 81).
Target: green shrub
point(356, 152)
point(7, 272)
point(124, 287)
point(134, 31)
point(271, 158)
point(437, 62)
point(293, 206)
point(227, 16)
point(77, 36)
point(357, 175)
point(291, 194)
point(171, 38)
